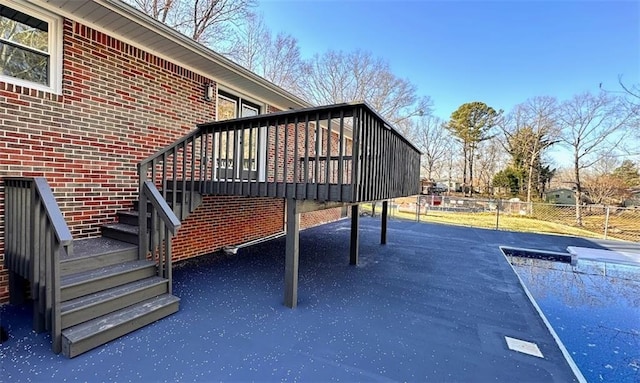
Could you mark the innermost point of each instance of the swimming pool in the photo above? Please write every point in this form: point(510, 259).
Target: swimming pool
point(594, 307)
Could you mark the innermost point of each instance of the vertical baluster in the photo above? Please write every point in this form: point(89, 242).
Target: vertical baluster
point(184, 177)
point(377, 182)
point(276, 163)
point(35, 243)
point(168, 274)
point(295, 161)
point(259, 144)
point(9, 224)
point(24, 255)
point(226, 158)
point(285, 158)
point(341, 156)
point(56, 325)
point(193, 171)
point(212, 159)
point(47, 277)
point(204, 145)
point(318, 154)
point(264, 191)
point(356, 143)
point(143, 239)
point(367, 159)
point(242, 139)
point(174, 184)
point(252, 159)
point(305, 172)
point(327, 162)
point(40, 304)
point(237, 159)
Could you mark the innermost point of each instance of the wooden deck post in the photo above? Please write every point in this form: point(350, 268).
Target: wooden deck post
point(292, 255)
point(383, 232)
point(355, 216)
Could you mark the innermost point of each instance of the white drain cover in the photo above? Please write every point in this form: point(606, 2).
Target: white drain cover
point(523, 347)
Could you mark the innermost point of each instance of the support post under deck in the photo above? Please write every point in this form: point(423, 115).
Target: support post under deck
point(355, 216)
point(292, 255)
point(383, 232)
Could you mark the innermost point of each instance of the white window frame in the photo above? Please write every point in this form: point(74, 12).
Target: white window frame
point(54, 47)
point(262, 144)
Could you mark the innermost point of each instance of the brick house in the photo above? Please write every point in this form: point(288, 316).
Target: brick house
point(114, 110)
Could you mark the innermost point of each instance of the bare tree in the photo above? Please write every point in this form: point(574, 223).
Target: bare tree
point(277, 59)
point(209, 22)
point(336, 77)
point(592, 125)
point(606, 188)
point(434, 141)
point(530, 130)
point(489, 158)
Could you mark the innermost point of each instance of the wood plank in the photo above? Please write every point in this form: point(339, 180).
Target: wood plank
point(84, 337)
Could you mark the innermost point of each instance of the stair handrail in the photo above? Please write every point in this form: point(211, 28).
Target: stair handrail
point(159, 249)
point(191, 135)
point(47, 235)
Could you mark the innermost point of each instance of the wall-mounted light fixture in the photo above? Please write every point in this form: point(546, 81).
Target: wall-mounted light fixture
point(208, 91)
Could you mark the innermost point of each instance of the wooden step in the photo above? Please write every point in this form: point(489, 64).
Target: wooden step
point(91, 306)
point(177, 210)
point(88, 335)
point(94, 253)
point(130, 217)
point(121, 232)
point(92, 281)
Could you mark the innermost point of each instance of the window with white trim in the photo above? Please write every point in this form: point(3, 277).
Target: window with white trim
point(30, 48)
point(242, 160)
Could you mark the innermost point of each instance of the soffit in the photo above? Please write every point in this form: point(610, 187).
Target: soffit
point(121, 20)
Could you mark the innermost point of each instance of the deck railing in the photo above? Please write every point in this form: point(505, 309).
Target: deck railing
point(156, 242)
point(36, 235)
point(345, 153)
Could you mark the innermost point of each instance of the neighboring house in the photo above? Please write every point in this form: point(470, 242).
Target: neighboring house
point(561, 196)
point(111, 107)
point(633, 200)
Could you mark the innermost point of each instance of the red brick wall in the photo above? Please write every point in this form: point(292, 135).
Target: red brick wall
point(320, 217)
point(223, 221)
point(119, 105)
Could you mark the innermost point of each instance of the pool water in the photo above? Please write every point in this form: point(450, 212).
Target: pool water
point(594, 307)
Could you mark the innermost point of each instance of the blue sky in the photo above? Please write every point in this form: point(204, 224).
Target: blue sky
point(500, 53)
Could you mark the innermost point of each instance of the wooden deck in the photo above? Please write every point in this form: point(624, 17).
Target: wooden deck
point(340, 153)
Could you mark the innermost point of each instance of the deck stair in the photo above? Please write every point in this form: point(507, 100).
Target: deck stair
point(106, 292)
point(126, 229)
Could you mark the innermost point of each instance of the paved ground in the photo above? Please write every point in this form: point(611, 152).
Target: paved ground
point(434, 304)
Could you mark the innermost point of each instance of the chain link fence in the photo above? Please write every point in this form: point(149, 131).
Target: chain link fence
point(597, 221)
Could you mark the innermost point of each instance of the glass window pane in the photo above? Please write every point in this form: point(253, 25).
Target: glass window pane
point(248, 111)
point(227, 108)
point(23, 64)
point(23, 29)
point(250, 149)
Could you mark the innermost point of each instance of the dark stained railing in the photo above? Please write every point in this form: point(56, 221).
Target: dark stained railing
point(36, 236)
point(156, 242)
point(344, 153)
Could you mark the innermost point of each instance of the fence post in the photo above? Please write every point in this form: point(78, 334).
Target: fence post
point(498, 214)
point(606, 223)
point(418, 208)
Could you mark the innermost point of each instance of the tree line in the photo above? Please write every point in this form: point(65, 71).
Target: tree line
point(598, 135)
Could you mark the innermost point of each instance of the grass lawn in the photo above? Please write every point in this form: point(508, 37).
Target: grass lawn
point(488, 220)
